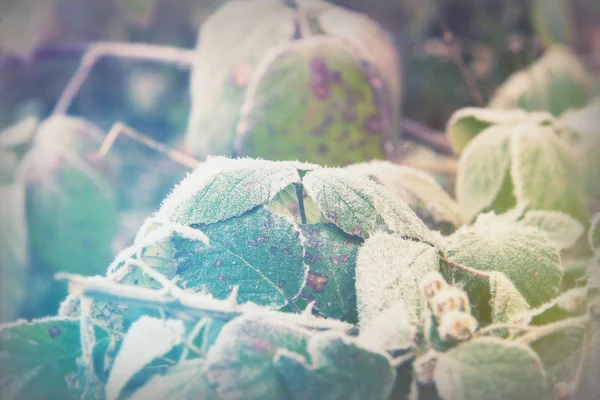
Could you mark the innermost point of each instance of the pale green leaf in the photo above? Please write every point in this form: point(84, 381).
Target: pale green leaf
point(490, 369)
point(544, 172)
point(588, 386)
point(331, 257)
point(19, 134)
point(339, 368)
point(138, 12)
point(221, 188)
point(561, 229)
point(147, 339)
point(482, 169)
point(259, 251)
point(359, 206)
point(184, 381)
point(560, 352)
point(552, 21)
point(286, 203)
point(391, 330)
point(520, 253)
point(240, 363)
point(505, 299)
point(389, 268)
point(38, 360)
point(594, 233)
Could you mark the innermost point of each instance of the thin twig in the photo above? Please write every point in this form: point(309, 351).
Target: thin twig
point(178, 156)
point(455, 52)
point(135, 51)
point(423, 134)
point(545, 330)
point(496, 327)
point(464, 268)
point(450, 168)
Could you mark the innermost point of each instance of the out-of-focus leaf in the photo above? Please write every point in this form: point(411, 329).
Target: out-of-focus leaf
point(560, 353)
point(23, 24)
point(391, 330)
point(138, 12)
point(18, 134)
point(561, 229)
point(553, 21)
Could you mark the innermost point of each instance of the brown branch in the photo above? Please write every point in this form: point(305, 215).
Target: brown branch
point(455, 52)
point(135, 51)
point(421, 133)
point(464, 268)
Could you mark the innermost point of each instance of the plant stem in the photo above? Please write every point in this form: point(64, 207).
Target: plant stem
point(136, 51)
point(299, 195)
point(496, 327)
point(423, 134)
point(464, 268)
point(399, 361)
point(544, 330)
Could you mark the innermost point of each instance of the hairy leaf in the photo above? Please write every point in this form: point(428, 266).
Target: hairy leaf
point(482, 169)
point(505, 299)
point(560, 352)
point(147, 339)
point(331, 257)
point(240, 364)
point(392, 329)
point(552, 20)
point(38, 360)
point(561, 229)
point(259, 251)
point(544, 172)
point(389, 268)
point(223, 188)
point(520, 253)
point(339, 368)
point(490, 369)
point(359, 206)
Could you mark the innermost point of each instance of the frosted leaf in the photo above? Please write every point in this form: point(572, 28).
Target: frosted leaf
point(331, 257)
point(414, 187)
point(359, 206)
point(391, 330)
point(240, 363)
point(184, 381)
point(389, 268)
point(561, 229)
point(147, 339)
point(520, 253)
point(339, 368)
point(482, 169)
point(465, 124)
point(593, 272)
point(223, 188)
point(490, 369)
point(594, 233)
point(18, 134)
point(35, 357)
point(505, 299)
point(544, 172)
point(286, 203)
point(559, 352)
point(588, 386)
point(259, 251)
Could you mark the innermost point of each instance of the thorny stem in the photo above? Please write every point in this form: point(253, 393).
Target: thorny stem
point(137, 51)
point(544, 330)
point(464, 268)
point(299, 195)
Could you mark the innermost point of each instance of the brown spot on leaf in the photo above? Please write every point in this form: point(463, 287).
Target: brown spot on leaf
point(322, 149)
point(281, 283)
point(316, 282)
point(54, 332)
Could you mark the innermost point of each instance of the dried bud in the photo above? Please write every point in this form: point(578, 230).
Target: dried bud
point(457, 325)
point(424, 367)
point(432, 284)
point(450, 299)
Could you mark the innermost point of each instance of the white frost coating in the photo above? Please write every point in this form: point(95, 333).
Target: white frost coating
point(390, 268)
point(561, 229)
point(506, 301)
point(390, 330)
point(594, 226)
point(147, 339)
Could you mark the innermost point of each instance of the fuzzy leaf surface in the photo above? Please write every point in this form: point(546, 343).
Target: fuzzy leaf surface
point(560, 353)
point(392, 329)
point(561, 229)
point(505, 299)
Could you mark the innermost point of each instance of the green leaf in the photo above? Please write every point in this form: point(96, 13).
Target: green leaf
point(309, 94)
point(544, 172)
point(331, 257)
point(259, 251)
point(389, 268)
point(13, 250)
point(465, 124)
point(588, 386)
point(482, 169)
point(38, 360)
point(222, 188)
point(520, 253)
point(560, 352)
point(147, 339)
point(490, 369)
point(555, 83)
point(240, 364)
point(286, 203)
point(339, 368)
point(185, 381)
point(19, 134)
point(359, 206)
point(417, 189)
point(561, 229)
point(505, 299)
point(391, 330)
point(138, 12)
point(24, 25)
point(594, 233)
point(552, 21)
point(226, 58)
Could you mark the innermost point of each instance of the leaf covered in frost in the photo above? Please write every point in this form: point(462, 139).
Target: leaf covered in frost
point(561, 229)
point(390, 268)
point(240, 363)
point(38, 360)
point(222, 188)
point(520, 253)
point(594, 233)
point(259, 251)
point(339, 368)
point(505, 299)
point(490, 369)
point(147, 339)
point(482, 169)
point(392, 329)
point(331, 257)
point(560, 352)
